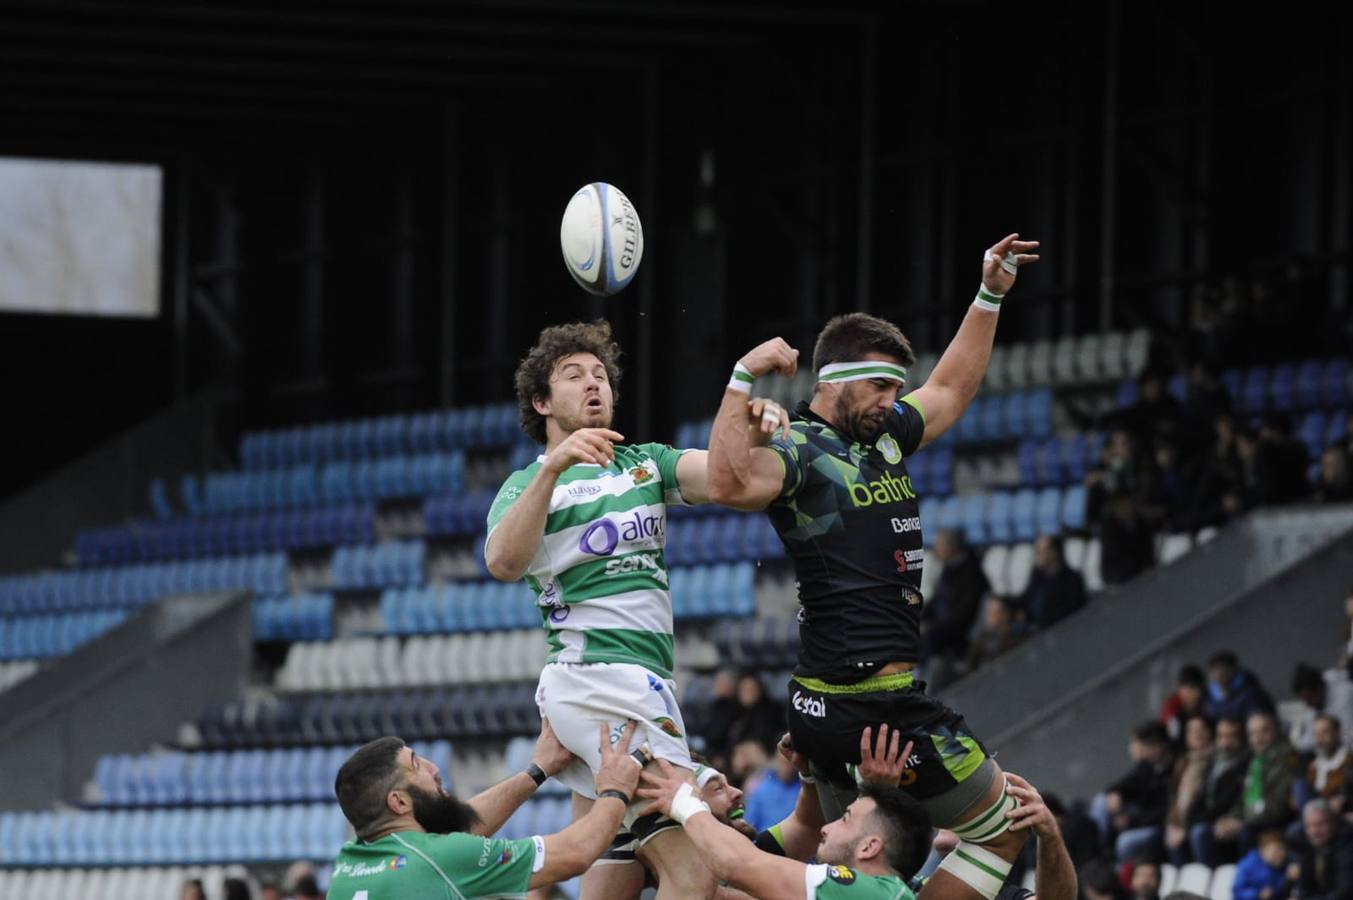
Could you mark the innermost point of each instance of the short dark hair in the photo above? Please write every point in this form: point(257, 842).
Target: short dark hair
point(1229, 720)
point(1224, 658)
point(905, 826)
point(1151, 732)
point(365, 779)
point(1306, 678)
point(307, 887)
point(849, 337)
point(532, 378)
point(1191, 674)
point(1331, 718)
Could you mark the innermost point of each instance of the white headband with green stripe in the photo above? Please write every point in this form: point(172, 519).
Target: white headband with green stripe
point(861, 371)
point(705, 774)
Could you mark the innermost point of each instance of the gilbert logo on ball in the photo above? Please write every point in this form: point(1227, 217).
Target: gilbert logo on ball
point(601, 238)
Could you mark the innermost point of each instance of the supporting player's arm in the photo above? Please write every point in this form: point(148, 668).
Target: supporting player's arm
point(958, 374)
point(742, 473)
point(1056, 874)
point(798, 835)
point(512, 543)
point(496, 805)
point(572, 851)
point(729, 855)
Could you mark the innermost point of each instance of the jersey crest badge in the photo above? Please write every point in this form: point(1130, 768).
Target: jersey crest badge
point(841, 875)
point(640, 474)
point(887, 445)
point(668, 726)
point(399, 862)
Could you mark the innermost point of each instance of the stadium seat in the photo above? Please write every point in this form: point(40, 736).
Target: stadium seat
point(1172, 547)
point(1089, 358)
point(994, 565)
point(1334, 390)
point(1194, 878)
point(1094, 581)
point(1112, 362)
point(1019, 567)
point(1254, 390)
point(1310, 375)
point(1223, 882)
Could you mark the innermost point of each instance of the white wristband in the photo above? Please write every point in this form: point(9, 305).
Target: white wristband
point(987, 300)
point(742, 379)
point(685, 804)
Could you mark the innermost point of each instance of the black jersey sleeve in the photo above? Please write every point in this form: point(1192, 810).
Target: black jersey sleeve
point(906, 423)
point(787, 450)
point(768, 841)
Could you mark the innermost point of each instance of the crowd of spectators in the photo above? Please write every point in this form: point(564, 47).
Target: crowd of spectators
point(1224, 775)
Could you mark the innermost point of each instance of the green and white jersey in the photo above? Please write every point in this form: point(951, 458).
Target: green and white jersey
point(599, 573)
point(842, 883)
point(410, 864)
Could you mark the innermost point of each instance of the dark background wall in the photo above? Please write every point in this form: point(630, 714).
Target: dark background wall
point(362, 199)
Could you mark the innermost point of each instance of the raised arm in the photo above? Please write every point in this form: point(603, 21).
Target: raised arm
point(1055, 873)
point(800, 834)
point(513, 541)
point(496, 805)
point(572, 851)
point(742, 473)
point(960, 371)
point(729, 855)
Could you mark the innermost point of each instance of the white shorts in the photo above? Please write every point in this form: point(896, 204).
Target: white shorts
point(576, 697)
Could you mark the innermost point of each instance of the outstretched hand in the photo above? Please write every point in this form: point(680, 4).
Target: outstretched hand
point(1009, 251)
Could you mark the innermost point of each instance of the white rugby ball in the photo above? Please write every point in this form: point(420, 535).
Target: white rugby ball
point(601, 238)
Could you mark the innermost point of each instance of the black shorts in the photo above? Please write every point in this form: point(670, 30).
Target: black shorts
point(826, 721)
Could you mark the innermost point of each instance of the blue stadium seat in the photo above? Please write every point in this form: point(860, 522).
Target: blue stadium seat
point(1000, 514)
point(1073, 508)
point(1282, 387)
point(968, 428)
point(1337, 432)
point(1308, 391)
point(1254, 390)
point(1233, 381)
point(1049, 511)
point(1334, 385)
point(973, 516)
point(950, 514)
point(1127, 393)
point(1178, 387)
point(1039, 413)
point(991, 425)
point(1311, 431)
point(1016, 408)
point(1027, 460)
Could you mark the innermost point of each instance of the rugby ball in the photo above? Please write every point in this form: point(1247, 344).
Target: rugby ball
point(601, 238)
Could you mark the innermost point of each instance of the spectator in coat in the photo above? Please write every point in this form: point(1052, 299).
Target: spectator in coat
point(1213, 832)
point(997, 634)
point(1336, 476)
point(1186, 787)
point(1145, 884)
point(1262, 873)
point(1055, 590)
point(951, 609)
point(1324, 866)
point(1328, 771)
point(1308, 686)
point(1136, 803)
point(1233, 691)
point(1266, 794)
point(759, 718)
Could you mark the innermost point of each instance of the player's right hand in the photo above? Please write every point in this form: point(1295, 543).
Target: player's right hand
point(586, 445)
point(883, 763)
point(1032, 812)
point(775, 355)
point(619, 771)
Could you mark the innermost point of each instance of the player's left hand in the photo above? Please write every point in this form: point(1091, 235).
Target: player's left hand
point(660, 782)
point(764, 416)
point(1008, 252)
point(1032, 812)
point(552, 756)
point(774, 355)
point(796, 759)
point(883, 763)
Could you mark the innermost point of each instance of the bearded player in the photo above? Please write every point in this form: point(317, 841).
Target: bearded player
point(836, 490)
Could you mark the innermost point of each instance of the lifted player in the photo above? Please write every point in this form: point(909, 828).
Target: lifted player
point(837, 491)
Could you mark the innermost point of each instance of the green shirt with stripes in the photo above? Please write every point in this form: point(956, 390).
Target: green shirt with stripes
point(824, 882)
point(416, 864)
point(599, 574)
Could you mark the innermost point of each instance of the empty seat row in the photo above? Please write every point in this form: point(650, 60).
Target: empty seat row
point(120, 587)
point(227, 536)
point(427, 432)
point(280, 833)
point(141, 883)
point(303, 617)
point(465, 606)
point(455, 515)
point(1061, 460)
point(1004, 516)
point(342, 481)
point(726, 590)
point(1087, 359)
point(388, 564)
point(1312, 384)
point(475, 711)
point(41, 637)
point(932, 470)
point(499, 656)
point(540, 815)
point(175, 778)
point(728, 537)
point(999, 417)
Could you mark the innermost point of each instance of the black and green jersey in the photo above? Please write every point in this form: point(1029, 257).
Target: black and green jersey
point(848, 517)
point(410, 864)
point(843, 883)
